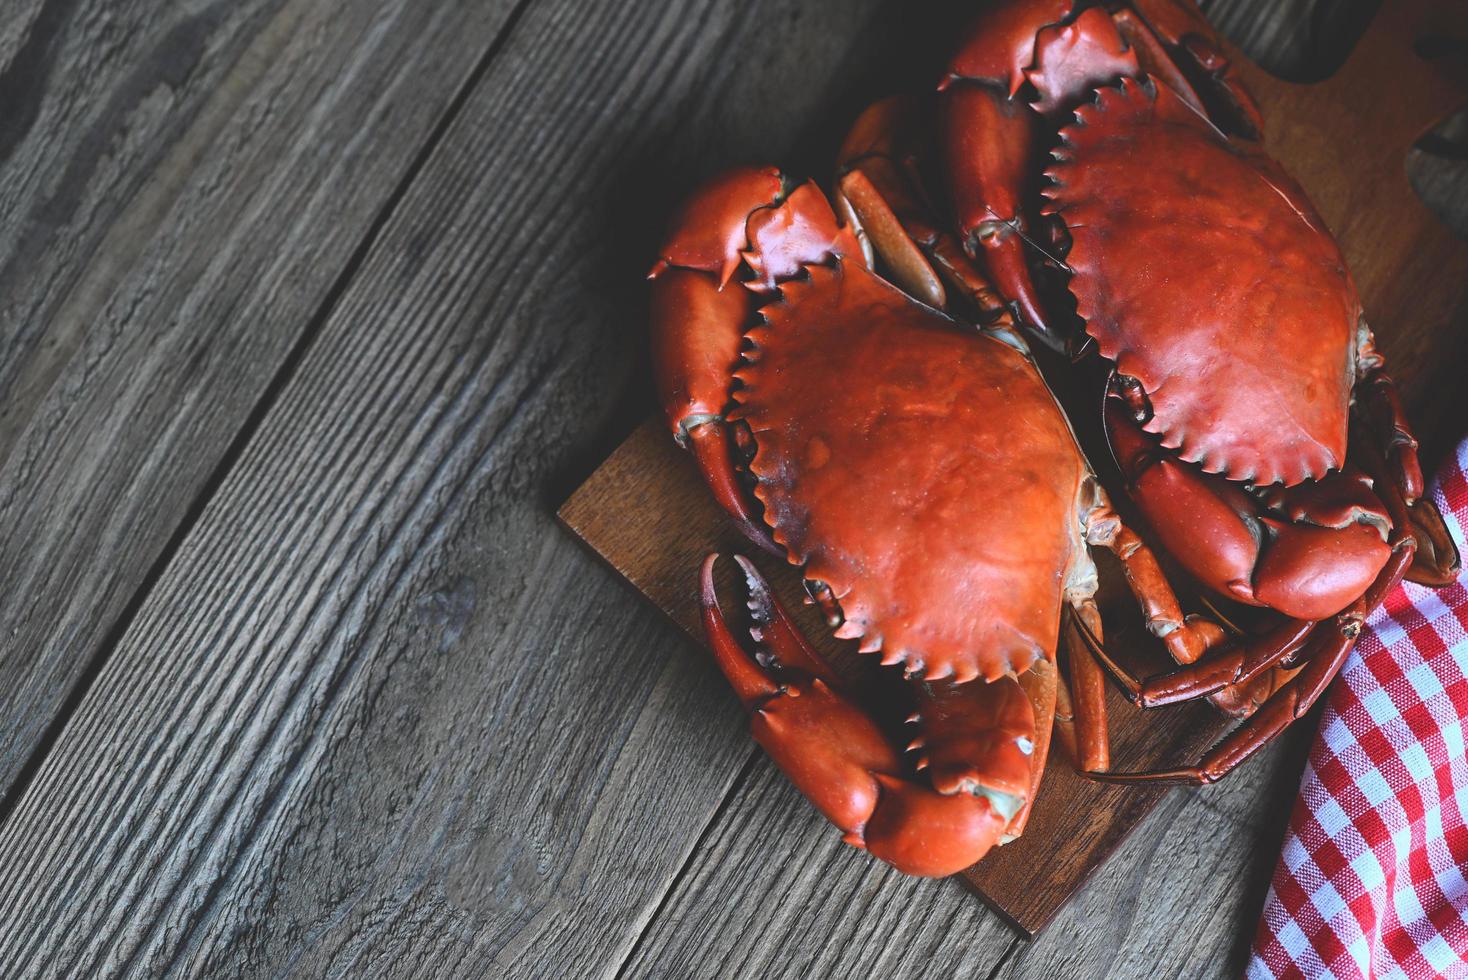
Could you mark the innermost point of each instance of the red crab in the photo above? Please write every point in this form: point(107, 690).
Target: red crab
point(924, 477)
point(1107, 154)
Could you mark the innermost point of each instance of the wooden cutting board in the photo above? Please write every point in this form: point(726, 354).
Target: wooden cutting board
point(647, 513)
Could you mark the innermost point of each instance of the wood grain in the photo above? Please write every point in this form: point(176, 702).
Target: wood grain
point(772, 892)
point(378, 715)
point(183, 186)
point(647, 515)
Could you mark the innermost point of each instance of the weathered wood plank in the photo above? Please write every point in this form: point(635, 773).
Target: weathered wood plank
point(182, 185)
point(1299, 40)
point(1181, 899)
point(771, 892)
point(379, 715)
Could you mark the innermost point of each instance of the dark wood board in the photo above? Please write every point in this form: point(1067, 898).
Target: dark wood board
point(646, 513)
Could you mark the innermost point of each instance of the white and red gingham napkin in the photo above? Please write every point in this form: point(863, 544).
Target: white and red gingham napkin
point(1373, 879)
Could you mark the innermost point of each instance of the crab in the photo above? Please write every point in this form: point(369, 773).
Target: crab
point(923, 476)
point(1103, 164)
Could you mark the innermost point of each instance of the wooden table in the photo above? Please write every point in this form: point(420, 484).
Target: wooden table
point(310, 313)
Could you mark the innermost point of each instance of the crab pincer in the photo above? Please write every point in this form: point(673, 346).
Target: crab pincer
point(977, 742)
point(700, 312)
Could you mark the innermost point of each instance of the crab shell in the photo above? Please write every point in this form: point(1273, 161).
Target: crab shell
point(1197, 264)
point(922, 470)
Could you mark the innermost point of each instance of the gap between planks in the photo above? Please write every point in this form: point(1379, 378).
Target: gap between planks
point(11, 795)
point(730, 794)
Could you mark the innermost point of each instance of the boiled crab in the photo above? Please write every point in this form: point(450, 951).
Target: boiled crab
point(1106, 153)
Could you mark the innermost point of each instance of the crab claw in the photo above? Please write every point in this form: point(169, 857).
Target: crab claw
point(697, 330)
point(708, 232)
point(1306, 551)
point(978, 739)
point(920, 832)
point(699, 317)
point(698, 324)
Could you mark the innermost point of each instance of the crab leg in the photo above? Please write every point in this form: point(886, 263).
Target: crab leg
point(1425, 524)
point(697, 330)
point(990, 138)
point(1324, 657)
point(882, 196)
point(1042, 685)
point(1088, 688)
point(977, 744)
point(1438, 562)
point(990, 141)
point(1064, 728)
point(1153, 57)
point(1235, 667)
point(1186, 637)
point(1379, 404)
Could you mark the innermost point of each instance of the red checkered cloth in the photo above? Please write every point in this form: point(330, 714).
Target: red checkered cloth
point(1371, 882)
